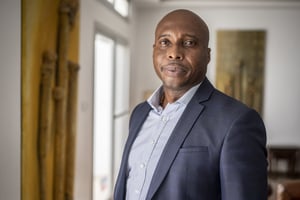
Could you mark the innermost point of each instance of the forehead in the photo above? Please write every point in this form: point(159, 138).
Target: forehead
point(186, 25)
point(178, 28)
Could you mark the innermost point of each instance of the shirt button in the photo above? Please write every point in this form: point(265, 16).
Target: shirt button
point(165, 118)
point(153, 141)
point(142, 165)
point(137, 191)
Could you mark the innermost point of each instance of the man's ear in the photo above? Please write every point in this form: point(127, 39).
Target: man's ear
point(208, 55)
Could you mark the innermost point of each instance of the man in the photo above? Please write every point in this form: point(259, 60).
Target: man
point(190, 141)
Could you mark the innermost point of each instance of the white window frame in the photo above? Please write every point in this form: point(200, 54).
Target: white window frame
point(113, 5)
point(119, 114)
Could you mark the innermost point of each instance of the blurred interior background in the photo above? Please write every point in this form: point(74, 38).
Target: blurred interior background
point(108, 44)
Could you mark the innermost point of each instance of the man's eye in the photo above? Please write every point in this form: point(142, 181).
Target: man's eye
point(164, 43)
point(189, 43)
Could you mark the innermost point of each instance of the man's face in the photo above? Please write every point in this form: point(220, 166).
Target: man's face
point(180, 53)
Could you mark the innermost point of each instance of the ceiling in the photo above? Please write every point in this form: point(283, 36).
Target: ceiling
point(220, 0)
point(199, 1)
point(214, 2)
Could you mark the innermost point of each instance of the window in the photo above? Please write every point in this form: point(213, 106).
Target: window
point(111, 104)
point(121, 6)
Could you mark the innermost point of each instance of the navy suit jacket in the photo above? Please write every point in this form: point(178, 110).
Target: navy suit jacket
point(217, 151)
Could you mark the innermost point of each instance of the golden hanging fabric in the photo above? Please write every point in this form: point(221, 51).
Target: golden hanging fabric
point(49, 98)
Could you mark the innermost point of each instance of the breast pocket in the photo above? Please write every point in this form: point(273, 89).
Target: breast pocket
point(195, 157)
point(193, 149)
point(191, 167)
point(192, 158)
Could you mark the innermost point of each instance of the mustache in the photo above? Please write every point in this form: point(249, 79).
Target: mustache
point(174, 66)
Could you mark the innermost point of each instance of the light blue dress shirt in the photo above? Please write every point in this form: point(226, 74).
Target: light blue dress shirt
point(150, 142)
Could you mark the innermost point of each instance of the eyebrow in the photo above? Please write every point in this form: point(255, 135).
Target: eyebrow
point(184, 35)
point(163, 35)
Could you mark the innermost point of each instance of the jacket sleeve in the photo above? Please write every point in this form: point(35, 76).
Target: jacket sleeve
point(243, 163)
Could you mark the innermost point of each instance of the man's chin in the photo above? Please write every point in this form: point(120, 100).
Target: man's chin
point(175, 86)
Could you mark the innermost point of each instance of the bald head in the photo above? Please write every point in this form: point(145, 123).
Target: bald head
point(187, 19)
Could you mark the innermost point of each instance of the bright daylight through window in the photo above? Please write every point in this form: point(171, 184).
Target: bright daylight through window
point(121, 6)
point(111, 105)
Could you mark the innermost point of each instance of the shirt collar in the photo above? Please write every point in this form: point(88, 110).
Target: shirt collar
point(154, 99)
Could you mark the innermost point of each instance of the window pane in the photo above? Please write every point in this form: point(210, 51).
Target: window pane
point(122, 7)
point(122, 79)
point(102, 166)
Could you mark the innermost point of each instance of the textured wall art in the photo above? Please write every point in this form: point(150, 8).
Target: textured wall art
point(240, 65)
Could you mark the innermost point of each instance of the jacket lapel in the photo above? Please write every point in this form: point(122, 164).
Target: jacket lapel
point(182, 129)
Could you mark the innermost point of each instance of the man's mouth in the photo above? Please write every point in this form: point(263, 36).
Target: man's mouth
point(173, 69)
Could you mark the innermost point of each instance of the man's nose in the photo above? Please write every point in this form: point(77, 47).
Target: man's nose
point(175, 53)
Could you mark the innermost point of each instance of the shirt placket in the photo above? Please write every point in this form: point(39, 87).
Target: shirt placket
point(162, 123)
point(143, 165)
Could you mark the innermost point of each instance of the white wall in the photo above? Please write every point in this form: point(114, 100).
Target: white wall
point(10, 91)
point(282, 70)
